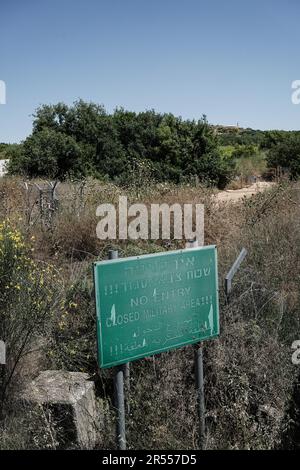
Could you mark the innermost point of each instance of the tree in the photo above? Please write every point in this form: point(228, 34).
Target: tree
point(286, 154)
point(48, 153)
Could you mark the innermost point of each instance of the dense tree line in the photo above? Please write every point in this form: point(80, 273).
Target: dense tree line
point(281, 148)
point(83, 139)
point(263, 139)
point(238, 136)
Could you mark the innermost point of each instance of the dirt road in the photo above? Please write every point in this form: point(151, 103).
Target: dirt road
point(234, 195)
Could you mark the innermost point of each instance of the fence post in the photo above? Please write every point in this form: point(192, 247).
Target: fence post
point(199, 376)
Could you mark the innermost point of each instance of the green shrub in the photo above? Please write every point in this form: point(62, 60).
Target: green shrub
point(29, 297)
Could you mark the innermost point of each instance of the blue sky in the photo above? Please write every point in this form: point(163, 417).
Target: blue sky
point(231, 60)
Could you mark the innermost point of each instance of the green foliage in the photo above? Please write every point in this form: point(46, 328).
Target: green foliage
point(84, 140)
point(246, 138)
point(49, 153)
point(245, 151)
point(6, 150)
point(236, 136)
point(227, 150)
point(28, 297)
point(286, 154)
point(3, 148)
point(275, 137)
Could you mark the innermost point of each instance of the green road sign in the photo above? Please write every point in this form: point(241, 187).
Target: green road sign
point(152, 303)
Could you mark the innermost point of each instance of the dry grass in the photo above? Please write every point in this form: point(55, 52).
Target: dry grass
point(249, 377)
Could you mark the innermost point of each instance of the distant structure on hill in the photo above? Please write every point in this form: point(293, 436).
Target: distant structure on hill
point(3, 164)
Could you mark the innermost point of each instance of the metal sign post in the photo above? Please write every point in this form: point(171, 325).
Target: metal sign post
point(199, 378)
point(120, 405)
point(2, 373)
point(2, 353)
point(127, 385)
point(119, 391)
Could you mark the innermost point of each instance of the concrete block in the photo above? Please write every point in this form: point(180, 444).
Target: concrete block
point(72, 397)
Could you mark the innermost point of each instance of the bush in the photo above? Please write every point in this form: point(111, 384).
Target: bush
point(29, 297)
point(286, 154)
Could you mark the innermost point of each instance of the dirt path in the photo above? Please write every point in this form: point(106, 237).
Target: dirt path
point(234, 195)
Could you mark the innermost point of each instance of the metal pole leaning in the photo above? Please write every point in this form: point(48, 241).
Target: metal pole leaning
point(119, 391)
point(199, 377)
point(234, 268)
